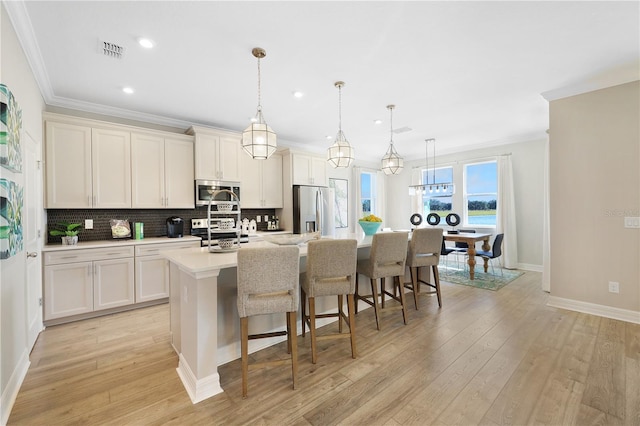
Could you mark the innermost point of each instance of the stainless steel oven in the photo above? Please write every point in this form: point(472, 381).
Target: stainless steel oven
point(206, 188)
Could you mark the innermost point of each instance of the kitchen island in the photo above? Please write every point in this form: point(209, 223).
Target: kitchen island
point(205, 327)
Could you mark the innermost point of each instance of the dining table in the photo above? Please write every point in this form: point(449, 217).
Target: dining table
point(471, 239)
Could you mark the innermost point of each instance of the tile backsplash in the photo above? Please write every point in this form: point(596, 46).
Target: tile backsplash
point(154, 220)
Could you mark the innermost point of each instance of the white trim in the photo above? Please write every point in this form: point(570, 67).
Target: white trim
point(198, 389)
point(594, 309)
point(624, 77)
point(13, 387)
point(530, 267)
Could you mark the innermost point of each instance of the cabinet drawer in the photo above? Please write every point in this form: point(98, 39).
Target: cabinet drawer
point(153, 249)
point(86, 255)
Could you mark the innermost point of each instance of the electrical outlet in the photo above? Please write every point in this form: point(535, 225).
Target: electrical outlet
point(266, 218)
point(614, 287)
point(258, 218)
point(88, 224)
point(632, 222)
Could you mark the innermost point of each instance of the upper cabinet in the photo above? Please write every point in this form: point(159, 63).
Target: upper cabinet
point(162, 171)
point(95, 164)
point(309, 169)
point(217, 154)
point(87, 167)
point(261, 182)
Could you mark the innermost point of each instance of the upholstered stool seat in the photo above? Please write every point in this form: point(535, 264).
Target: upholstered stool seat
point(268, 284)
point(424, 252)
point(331, 271)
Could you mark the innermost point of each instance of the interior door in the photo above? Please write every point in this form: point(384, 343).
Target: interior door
point(32, 231)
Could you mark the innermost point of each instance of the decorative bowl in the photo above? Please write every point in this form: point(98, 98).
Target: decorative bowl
point(369, 228)
point(226, 243)
point(225, 207)
point(290, 239)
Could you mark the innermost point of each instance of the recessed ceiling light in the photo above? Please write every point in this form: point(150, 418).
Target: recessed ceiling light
point(298, 94)
point(146, 43)
point(377, 121)
point(127, 90)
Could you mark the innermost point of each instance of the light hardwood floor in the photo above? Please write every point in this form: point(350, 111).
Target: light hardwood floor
point(484, 358)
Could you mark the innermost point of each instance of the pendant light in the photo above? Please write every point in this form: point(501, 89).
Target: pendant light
point(258, 140)
point(433, 189)
point(392, 163)
point(340, 154)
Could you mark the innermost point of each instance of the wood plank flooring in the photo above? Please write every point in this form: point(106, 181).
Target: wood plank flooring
point(485, 358)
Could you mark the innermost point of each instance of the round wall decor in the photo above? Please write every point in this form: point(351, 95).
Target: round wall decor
point(433, 219)
point(453, 219)
point(416, 219)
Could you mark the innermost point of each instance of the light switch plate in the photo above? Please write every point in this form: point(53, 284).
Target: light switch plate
point(88, 224)
point(632, 222)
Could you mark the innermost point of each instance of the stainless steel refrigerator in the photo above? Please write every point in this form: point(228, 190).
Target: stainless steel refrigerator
point(313, 209)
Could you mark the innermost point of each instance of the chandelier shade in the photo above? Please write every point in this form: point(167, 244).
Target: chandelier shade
point(392, 163)
point(259, 140)
point(341, 153)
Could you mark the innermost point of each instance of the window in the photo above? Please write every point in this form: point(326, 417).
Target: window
point(368, 193)
point(481, 193)
point(432, 202)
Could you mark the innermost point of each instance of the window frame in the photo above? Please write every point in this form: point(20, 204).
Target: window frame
point(373, 195)
point(466, 195)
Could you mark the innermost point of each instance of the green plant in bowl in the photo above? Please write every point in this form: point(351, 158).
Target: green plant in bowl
point(68, 232)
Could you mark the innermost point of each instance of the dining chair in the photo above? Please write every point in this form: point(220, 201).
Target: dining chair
point(267, 281)
point(446, 251)
point(387, 258)
point(496, 252)
point(331, 271)
point(424, 250)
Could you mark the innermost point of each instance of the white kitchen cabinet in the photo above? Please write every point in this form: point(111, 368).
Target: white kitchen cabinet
point(87, 167)
point(162, 171)
point(83, 281)
point(217, 154)
point(309, 170)
point(152, 270)
point(261, 182)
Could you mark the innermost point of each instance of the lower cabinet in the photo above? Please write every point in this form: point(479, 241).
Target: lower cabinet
point(86, 281)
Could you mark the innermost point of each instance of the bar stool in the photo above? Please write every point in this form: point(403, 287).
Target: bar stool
point(387, 259)
point(268, 284)
point(331, 271)
point(424, 251)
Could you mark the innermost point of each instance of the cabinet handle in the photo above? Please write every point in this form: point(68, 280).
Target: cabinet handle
point(68, 257)
point(113, 254)
point(94, 200)
point(89, 200)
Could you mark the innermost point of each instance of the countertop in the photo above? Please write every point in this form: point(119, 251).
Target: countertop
point(200, 260)
point(119, 243)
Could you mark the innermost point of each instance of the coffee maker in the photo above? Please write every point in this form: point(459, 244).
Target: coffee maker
point(175, 227)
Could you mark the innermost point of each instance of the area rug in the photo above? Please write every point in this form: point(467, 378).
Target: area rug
point(481, 279)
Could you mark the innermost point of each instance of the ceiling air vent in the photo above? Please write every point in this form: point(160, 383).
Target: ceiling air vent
point(111, 50)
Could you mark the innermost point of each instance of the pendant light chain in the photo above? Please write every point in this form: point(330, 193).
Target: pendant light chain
point(259, 88)
point(391, 124)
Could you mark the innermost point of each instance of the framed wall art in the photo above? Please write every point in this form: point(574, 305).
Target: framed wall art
point(10, 126)
point(11, 201)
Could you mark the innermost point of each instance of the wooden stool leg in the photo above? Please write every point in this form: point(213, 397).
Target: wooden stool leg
point(414, 283)
point(244, 349)
point(436, 280)
point(374, 291)
point(294, 347)
point(383, 287)
point(312, 328)
point(352, 323)
point(402, 301)
point(356, 295)
point(340, 313)
point(303, 301)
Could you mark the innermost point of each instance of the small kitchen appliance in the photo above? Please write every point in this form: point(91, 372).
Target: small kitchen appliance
point(175, 227)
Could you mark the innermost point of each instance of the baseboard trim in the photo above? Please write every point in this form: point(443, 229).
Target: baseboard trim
point(530, 267)
point(10, 392)
point(595, 309)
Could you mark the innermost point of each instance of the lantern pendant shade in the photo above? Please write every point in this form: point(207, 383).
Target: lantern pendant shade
point(259, 140)
point(392, 163)
point(340, 154)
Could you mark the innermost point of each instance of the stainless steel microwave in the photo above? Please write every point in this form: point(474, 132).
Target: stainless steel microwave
point(205, 190)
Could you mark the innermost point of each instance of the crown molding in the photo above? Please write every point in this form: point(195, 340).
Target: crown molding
point(622, 76)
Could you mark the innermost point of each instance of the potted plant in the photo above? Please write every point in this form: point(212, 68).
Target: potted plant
point(68, 232)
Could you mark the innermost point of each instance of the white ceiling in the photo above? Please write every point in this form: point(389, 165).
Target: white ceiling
point(469, 74)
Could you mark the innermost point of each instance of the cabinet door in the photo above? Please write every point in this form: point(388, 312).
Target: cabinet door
point(206, 157)
point(301, 169)
point(68, 166)
point(147, 171)
point(271, 182)
point(111, 168)
point(68, 290)
point(113, 283)
point(152, 278)
point(229, 158)
point(179, 175)
point(251, 191)
point(319, 171)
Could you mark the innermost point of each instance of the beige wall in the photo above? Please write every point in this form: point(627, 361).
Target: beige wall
point(595, 182)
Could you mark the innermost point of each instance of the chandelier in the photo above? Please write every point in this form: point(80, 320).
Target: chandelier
point(340, 154)
point(258, 140)
point(392, 163)
point(433, 189)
